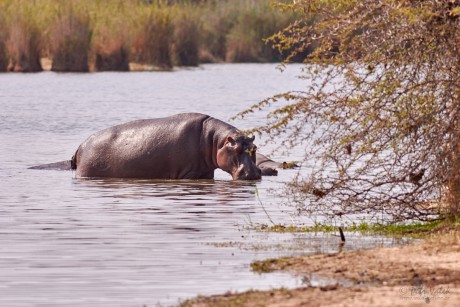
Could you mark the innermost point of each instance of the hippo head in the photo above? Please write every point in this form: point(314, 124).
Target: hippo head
point(238, 157)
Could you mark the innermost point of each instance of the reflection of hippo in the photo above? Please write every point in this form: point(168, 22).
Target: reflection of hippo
point(268, 166)
point(183, 146)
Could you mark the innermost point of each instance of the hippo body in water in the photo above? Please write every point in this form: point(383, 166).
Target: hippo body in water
point(266, 165)
point(183, 146)
point(269, 167)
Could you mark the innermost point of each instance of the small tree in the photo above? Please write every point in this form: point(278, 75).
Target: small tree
point(380, 117)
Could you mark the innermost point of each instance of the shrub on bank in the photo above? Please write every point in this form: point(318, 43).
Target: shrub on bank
point(453, 184)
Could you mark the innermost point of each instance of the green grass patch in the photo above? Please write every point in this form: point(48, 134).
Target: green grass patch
point(269, 265)
point(414, 229)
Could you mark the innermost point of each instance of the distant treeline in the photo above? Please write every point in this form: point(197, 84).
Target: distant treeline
point(104, 35)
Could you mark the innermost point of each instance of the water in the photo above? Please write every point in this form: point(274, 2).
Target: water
point(74, 242)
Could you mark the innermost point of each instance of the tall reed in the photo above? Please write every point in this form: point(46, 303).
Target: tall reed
point(218, 19)
point(3, 52)
point(71, 40)
point(23, 37)
point(112, 36)
point(112, 57)
point(152, 40)
point(256, 21)
point(185, 46)
point(23, 47)
point(108, 34)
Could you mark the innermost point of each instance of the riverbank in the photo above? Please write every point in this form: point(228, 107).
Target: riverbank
point(427, 272)
point(108, 35)
point(47, 64)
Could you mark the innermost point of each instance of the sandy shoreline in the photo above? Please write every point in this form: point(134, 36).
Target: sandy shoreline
point(427, 273)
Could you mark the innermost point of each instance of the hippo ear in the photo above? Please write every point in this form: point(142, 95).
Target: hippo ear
point(252, 138)
point(231, 142)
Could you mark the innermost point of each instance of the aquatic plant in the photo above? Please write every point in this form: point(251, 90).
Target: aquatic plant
point(185, 45)
point(108, 34)
point(245, 40)
point(3, 51)
point(152, 40)
point(111, 43)
point(23, 37)
point(218, 19)
point(71, 40)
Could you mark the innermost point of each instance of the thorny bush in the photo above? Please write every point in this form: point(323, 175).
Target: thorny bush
point(379, 119)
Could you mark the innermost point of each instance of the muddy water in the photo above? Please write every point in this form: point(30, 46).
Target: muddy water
point(73, 242)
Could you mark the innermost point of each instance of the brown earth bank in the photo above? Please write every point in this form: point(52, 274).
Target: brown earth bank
point(426, 273)
point(118, 61)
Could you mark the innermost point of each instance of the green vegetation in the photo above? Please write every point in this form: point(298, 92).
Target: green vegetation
point(269, 265)
point(84, 35)
point(414, 229)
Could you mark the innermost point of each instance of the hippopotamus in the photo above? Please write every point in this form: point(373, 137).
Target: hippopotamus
point(268, 166)
point(183, 146)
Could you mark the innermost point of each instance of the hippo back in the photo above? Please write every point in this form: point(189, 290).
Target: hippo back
point(164, 148)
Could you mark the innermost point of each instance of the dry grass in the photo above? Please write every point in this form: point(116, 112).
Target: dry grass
point(23, 46)
point(185, 46)
point(109, 34)
point(71, 41)
point(111, 42)
point(112, 58)
point(245, 40)
point(152, 41)
point(3, 51)
point(220, 19)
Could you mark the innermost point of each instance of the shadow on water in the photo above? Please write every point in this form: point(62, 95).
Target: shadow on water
point(187, 205)
point(190, 192)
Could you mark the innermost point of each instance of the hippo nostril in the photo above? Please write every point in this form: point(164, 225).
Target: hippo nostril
point(247, 172)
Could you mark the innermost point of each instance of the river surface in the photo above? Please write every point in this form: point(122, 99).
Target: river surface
point(74, 242)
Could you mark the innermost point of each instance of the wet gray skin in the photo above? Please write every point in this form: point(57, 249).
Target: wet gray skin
point(183, 146)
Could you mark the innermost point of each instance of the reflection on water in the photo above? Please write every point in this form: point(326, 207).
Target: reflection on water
point(67, 241)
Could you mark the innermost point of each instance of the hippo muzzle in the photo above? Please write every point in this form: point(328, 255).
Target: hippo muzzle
point(247, 172)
